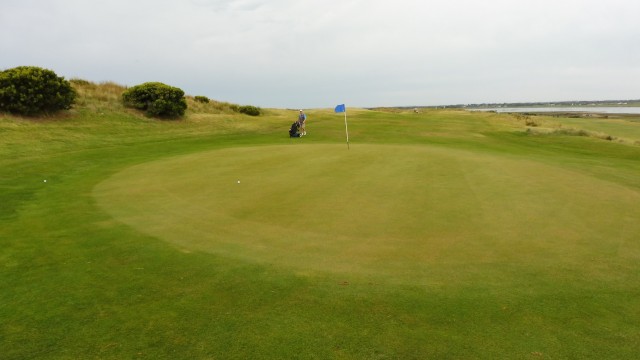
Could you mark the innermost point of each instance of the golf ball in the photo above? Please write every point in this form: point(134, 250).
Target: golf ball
point(45, 181)
point(238, 181)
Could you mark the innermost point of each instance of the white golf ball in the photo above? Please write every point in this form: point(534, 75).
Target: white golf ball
point(238, 181)
point(45, 181)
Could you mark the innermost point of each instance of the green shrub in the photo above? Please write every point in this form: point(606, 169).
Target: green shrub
point(156, 99)
point(202, 99)
point(30, 90)
point(249, 110)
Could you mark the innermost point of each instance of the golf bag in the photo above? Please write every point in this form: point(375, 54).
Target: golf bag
point(293, 131)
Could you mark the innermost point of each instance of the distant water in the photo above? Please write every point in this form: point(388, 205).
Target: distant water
point(585, 109)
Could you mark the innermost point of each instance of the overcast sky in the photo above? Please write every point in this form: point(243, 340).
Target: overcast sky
point(319, 53)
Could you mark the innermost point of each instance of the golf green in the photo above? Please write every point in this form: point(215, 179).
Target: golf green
point(390, 211)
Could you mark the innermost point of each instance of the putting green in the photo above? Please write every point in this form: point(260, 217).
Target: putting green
point(390, 210)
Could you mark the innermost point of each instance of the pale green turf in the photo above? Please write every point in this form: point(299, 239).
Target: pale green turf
point(393, 212)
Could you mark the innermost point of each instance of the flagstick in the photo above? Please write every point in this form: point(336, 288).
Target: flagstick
point(346, 128)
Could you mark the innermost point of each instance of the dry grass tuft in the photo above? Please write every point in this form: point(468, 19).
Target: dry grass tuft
point(211, 107)
point(98, 96)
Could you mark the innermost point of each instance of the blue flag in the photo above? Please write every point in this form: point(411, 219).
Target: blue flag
point(341, 108)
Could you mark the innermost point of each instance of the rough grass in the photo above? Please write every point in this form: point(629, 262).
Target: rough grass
point(77, 282)
point(619, 128)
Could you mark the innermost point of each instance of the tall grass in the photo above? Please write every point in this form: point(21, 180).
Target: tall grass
point(98, 97)
point(107, 96)
point(211, 107)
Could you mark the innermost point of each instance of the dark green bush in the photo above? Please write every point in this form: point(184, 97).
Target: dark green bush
point(30, 90)
point(202, 99)
point(156, 99)
point(249, 110)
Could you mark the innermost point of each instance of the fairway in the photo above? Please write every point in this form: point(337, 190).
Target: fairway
point(413, 214)
point(437, 235)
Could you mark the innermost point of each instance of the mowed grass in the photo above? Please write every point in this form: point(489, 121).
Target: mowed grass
point(437, 235)
point(414, 214)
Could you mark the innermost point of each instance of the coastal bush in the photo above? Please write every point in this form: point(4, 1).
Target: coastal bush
point(249, 110)
point(31, 90)
point(156, 99)
point(202, 99)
